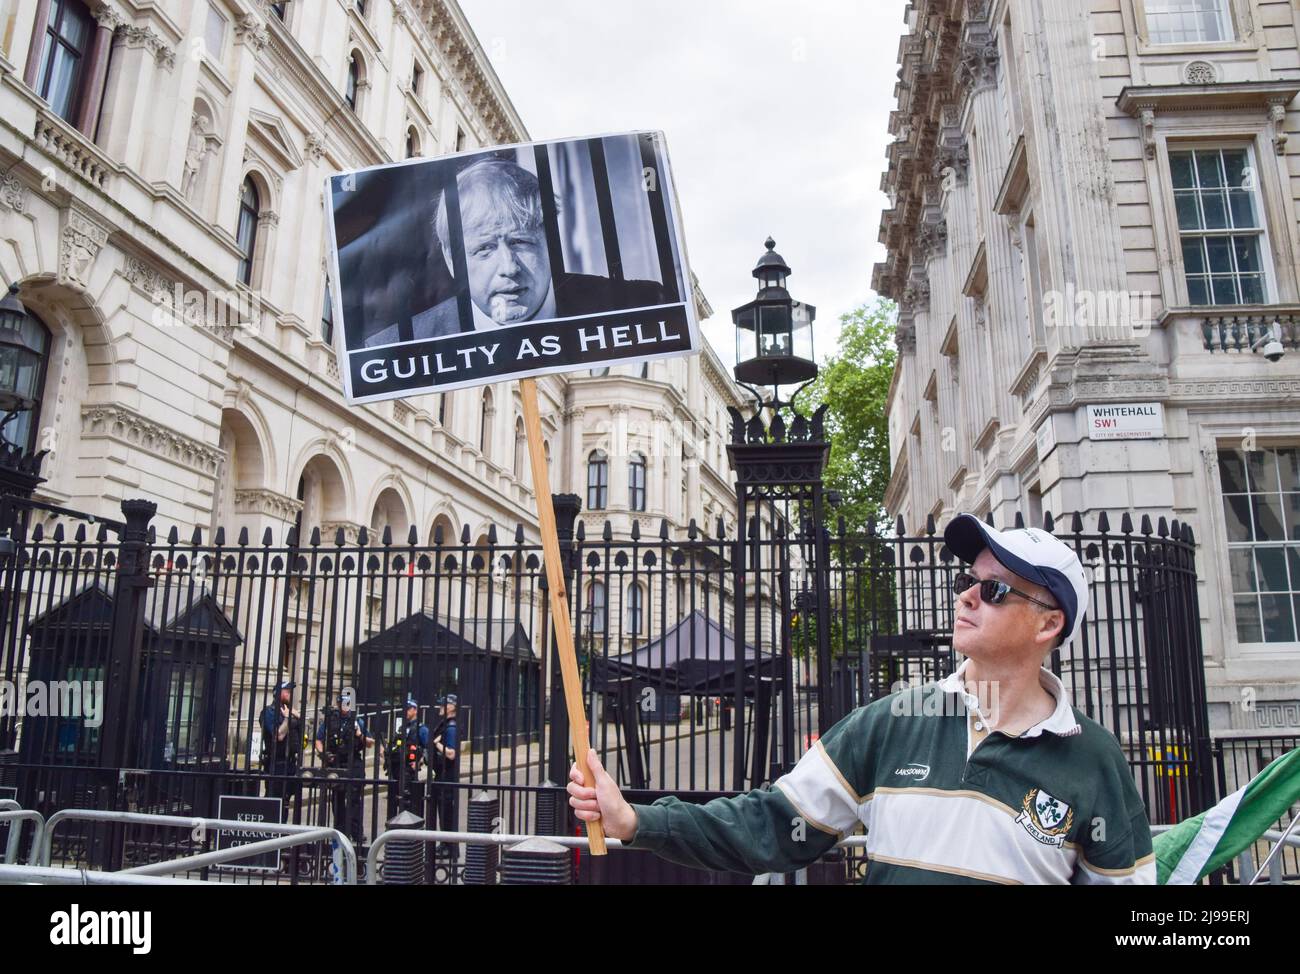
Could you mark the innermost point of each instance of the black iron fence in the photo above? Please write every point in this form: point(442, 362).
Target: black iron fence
point(699, 654)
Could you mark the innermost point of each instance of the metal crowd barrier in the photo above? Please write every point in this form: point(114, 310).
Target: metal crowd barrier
point(18, 816)
point(290, 835)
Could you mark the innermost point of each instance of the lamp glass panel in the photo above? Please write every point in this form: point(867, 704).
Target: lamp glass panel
point(774, 330)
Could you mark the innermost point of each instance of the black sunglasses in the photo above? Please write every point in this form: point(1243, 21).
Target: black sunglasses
point(992, 591)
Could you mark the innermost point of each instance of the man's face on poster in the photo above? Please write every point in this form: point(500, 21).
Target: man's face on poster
point(509, 272)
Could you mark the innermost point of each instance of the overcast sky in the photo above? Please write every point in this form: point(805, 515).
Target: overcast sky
point(775, 117)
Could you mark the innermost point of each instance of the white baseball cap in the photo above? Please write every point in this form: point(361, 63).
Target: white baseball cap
point(1034, 555)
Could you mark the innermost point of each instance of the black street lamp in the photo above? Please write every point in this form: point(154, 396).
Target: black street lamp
point(22, 353)
point(774, 340)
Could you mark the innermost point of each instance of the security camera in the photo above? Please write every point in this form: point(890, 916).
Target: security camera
point(1268, 345)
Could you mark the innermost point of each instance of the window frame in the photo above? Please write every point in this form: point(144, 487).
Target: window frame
point(1256, 648)
point(1228, 22)
point(599, 460)
point(1177, 132)
point(636, 492)
point(53, 37)
point(244, 272)
point(1268, 262)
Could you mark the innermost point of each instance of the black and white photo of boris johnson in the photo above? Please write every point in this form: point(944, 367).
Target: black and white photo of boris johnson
point(505, 262)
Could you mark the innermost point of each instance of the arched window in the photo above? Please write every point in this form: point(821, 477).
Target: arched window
point(596, 607)
point(249, 208)
point(634, 609)
point(597, 480)
point(354, 80)
point(485, 422)
point(68, 33)
point(636, 482)
point(24, 357)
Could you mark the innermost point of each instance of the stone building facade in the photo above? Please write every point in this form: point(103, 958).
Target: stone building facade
point(1093, 220)
point(158, 152)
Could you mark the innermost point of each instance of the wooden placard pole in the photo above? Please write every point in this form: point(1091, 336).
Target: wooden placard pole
point(559, 597)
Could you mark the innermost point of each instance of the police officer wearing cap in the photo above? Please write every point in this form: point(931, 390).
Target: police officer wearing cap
point(341, 742)
point(281, 742)
point(405, 755)
point(445, 761)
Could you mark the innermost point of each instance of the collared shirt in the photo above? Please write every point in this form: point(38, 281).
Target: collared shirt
point(1061, 721)
point(1055, 804)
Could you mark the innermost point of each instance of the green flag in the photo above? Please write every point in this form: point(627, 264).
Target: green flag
point(1201, 844)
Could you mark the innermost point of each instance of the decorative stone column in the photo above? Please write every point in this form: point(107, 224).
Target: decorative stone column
point(107, 22)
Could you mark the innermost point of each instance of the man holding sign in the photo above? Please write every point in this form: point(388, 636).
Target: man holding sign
point(537, 259)
point(988, 776)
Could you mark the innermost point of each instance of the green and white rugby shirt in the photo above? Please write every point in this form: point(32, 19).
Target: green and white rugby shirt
point(1057, 804)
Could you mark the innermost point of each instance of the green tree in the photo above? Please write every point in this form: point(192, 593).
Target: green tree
point(854, 386)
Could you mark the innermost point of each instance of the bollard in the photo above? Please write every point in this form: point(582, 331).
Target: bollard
point(537, 862)
point(482, 861)
point(404, 861)
point(552, 802)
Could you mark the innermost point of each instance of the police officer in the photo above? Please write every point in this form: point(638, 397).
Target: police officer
point(341, 742)
point(281, 743)
point(444, 758)
point(406, 752)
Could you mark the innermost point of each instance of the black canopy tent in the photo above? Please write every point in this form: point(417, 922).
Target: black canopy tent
point(489, 664)
point(696, 657)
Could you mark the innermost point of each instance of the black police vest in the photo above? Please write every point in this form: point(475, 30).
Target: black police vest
point(409, 751)
point(341, 738)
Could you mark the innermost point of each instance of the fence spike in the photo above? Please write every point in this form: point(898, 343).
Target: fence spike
point(196, 538)
point(636, 530)
point(1162, 527)
point(1126, 523)
point(581, 532)
point(1020, 520)
point(315, 536)
point(101, 535)
point(464, 534)
point(871, 526)
point(437, 535)
point(691, 530)
point(153, 534)
point(1176, 529)
point(219, 539)
point(266, 538)
point(1189, 536)
point(519, 532)
point(929, 525)
point(1076, 523)
point(1146, 524)
point(840, 528)
point(340, 539)
point(1103, 523)
point(1049, 525)
point(291, 536)
point(38, 532)
point(173, 536)
point(386, 535)
point(722, 529)
point(412, 536)
point(492, 535)
point(607, 533)
point(902, 531)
